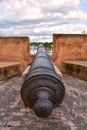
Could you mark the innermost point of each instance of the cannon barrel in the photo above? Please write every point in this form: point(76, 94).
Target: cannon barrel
point(42, 90)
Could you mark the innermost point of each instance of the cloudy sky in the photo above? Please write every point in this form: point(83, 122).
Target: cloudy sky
point(39, 19)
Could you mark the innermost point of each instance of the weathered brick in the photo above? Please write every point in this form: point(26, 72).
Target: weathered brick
point(71, 115)
point(13, 123)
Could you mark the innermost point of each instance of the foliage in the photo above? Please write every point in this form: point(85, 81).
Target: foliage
point(46, 44)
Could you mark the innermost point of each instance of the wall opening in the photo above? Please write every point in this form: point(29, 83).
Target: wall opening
point(34, 46)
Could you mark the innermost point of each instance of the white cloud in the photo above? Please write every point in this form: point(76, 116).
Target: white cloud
point(69, 28)
point(29, 9)
point(56, 4)
point(79, 15)
point(41, 17)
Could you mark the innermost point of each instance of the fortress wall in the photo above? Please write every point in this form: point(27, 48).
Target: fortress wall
point(65, 47)
point(15, 49)
point(69, 47)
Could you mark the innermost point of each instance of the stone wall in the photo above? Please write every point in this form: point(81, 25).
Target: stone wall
point(15, 49)
point(69, 47)
point(65, 47)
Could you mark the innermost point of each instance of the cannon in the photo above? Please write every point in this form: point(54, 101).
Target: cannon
point(42, 90)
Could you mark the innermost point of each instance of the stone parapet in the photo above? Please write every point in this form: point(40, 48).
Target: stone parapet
point(69, 47)
point(9, 69)
point(15, 49)
point(76, 68)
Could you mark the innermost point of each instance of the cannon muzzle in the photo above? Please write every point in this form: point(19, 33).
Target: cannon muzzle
point(42, 90)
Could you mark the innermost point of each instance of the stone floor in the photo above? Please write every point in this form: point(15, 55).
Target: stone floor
point(72, 114)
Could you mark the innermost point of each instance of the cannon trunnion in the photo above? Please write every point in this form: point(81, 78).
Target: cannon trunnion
point(42, 90)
